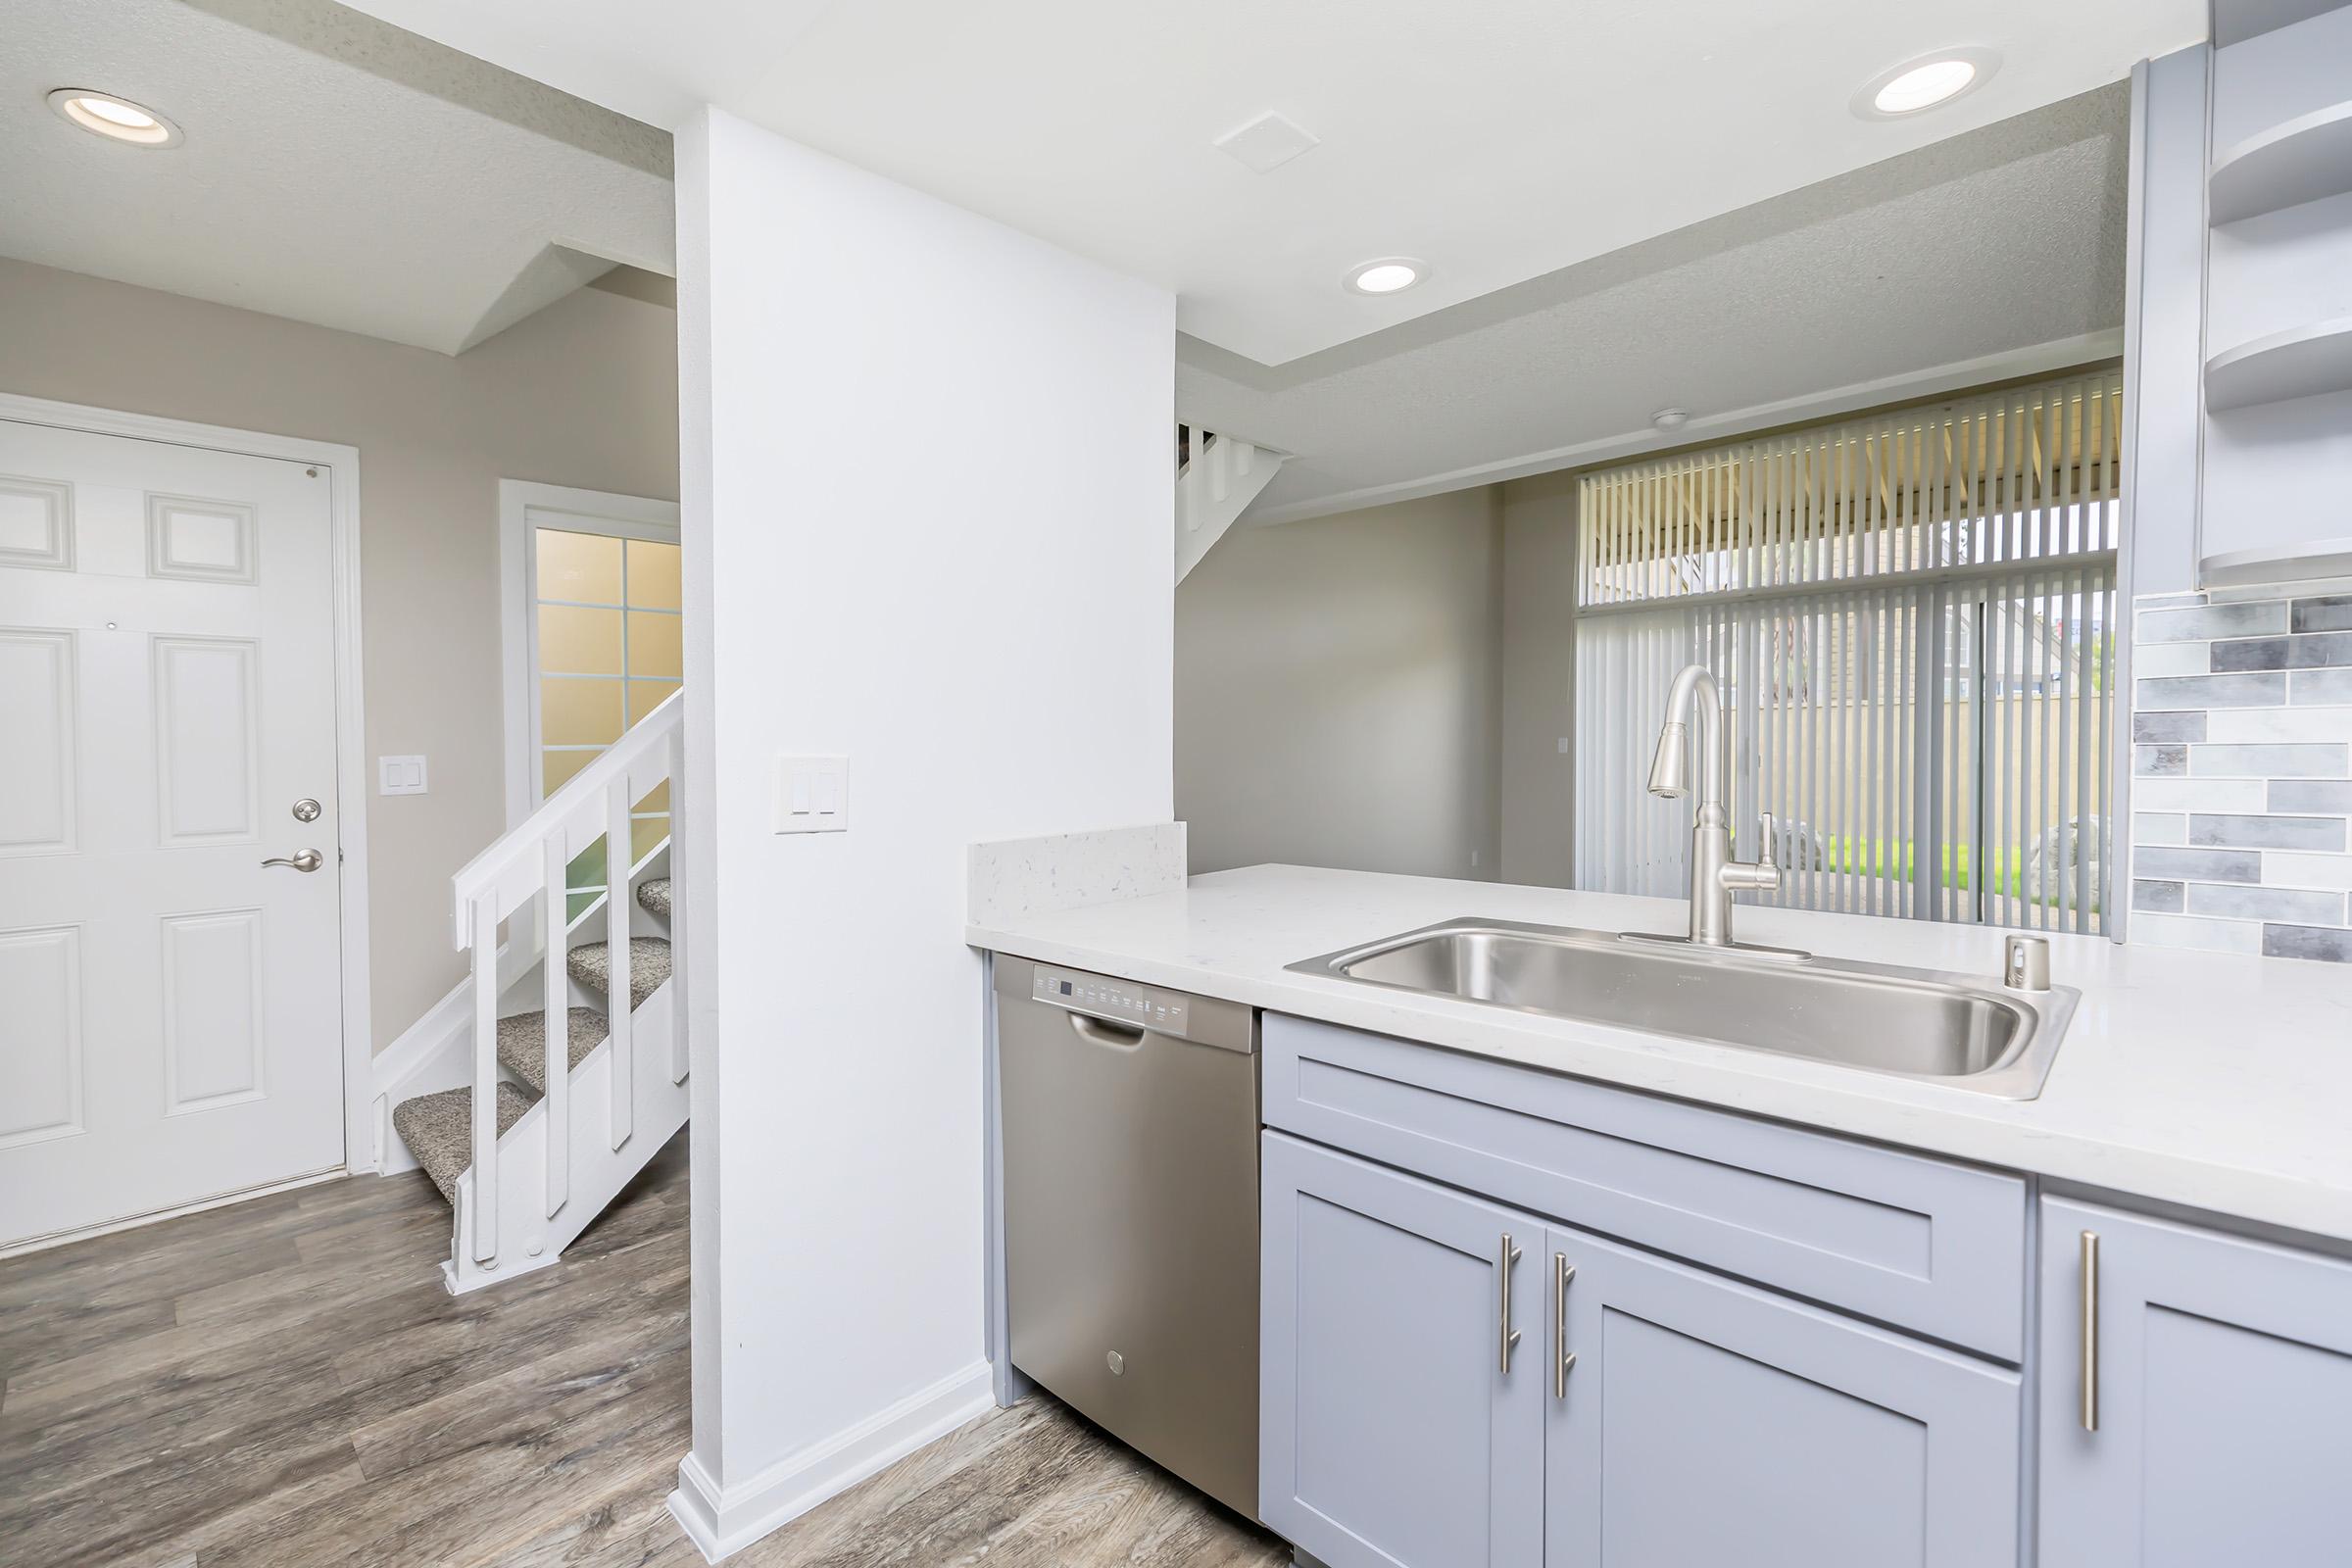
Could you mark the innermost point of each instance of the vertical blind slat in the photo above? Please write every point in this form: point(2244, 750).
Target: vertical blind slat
point(1934, 747)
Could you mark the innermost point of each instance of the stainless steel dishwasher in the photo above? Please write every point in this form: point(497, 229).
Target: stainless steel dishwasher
point(1130, 1119)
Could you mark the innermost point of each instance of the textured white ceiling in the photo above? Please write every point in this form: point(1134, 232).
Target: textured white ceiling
point(335, 169)
point(2005, 239)
point(1498, 139)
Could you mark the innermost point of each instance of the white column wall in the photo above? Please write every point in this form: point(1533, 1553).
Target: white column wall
point(928, 493)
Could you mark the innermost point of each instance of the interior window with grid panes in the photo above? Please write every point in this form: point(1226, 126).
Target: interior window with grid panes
point(609, 653)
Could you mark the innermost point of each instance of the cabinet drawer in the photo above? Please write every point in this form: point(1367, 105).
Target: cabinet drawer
point(1919, 1243)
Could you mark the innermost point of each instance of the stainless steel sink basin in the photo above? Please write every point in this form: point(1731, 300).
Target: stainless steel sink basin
point(1954, 1029)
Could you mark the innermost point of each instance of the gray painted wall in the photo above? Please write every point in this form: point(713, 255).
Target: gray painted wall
point(1539, 679)
point(584, 393)
point(1339, 691)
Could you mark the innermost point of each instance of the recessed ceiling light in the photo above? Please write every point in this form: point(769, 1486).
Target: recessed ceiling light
point(1924, 84)
point(117, 118)
point(1671, 418)
point(1390, 275)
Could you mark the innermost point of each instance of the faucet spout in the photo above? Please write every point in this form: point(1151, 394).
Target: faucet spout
point(1715, 876)
point(1670, 768)
point(1694, 690)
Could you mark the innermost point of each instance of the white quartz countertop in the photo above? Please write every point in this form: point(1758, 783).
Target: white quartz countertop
point(2214, 1080)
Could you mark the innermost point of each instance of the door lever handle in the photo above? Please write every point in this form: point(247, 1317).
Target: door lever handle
point(300, 860)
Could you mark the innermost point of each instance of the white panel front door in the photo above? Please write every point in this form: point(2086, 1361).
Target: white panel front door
point(171, 1018)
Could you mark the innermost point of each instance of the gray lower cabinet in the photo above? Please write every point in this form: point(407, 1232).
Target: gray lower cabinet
point(1703, 1421)
point(1391, 1435)
point(2217, 1424)
point(2187, 1394)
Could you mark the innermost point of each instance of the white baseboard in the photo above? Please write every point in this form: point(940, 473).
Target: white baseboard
point(722, 1520)
point(694, 1506)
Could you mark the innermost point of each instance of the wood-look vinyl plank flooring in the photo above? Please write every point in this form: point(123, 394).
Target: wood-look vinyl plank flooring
point(285, 1384)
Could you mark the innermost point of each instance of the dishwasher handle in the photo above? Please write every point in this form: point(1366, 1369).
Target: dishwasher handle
point(1115, 1036)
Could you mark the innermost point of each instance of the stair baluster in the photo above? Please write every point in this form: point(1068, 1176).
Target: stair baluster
point(556, 997)
point(621, 996)
point(1217, 477)
point(484, 936)
point(678, 1056)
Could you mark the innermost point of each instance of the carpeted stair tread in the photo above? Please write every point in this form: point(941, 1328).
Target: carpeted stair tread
point(439, 1130)
point(522, 1043)
point(652, 896)
point(649, 966)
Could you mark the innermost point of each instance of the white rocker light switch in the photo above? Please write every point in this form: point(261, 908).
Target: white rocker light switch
point(400, 775)
point(813, 794)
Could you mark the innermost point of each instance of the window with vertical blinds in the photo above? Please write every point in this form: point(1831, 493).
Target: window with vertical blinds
point(1911, 616)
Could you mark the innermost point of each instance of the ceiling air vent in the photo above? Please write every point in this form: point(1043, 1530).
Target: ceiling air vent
point(1266, 143)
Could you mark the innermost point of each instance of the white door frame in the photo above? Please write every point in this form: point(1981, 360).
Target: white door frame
point(598, 512)
point(340, 464)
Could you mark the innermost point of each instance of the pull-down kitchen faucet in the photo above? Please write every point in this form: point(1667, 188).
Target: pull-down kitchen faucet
point(1714, 875)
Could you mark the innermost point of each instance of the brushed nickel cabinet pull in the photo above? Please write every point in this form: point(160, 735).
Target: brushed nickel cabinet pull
point(1562, 1359)
point(2090, 1331)
point(1510, 1334)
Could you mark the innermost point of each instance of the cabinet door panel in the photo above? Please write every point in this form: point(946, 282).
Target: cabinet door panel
point(1705, 1421)
point(2224, 1398)
point(1390, 1438)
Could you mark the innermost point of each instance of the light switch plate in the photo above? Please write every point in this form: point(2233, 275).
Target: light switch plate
point(400, 775)
point(813, 794)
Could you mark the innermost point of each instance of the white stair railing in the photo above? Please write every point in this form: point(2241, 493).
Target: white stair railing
point(528, 866)
point(1216, 478)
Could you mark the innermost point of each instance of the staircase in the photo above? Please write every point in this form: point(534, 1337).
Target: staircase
point(1217, 477)
point(560, 1096)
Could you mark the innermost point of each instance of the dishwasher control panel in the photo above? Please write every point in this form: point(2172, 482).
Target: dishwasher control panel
point(1121, 1000)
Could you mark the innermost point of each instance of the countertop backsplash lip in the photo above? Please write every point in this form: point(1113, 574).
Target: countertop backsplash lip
point(2215, 1082)
point(1006, 878)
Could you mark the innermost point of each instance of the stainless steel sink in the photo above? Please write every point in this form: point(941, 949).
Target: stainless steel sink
point(1954, 1029)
